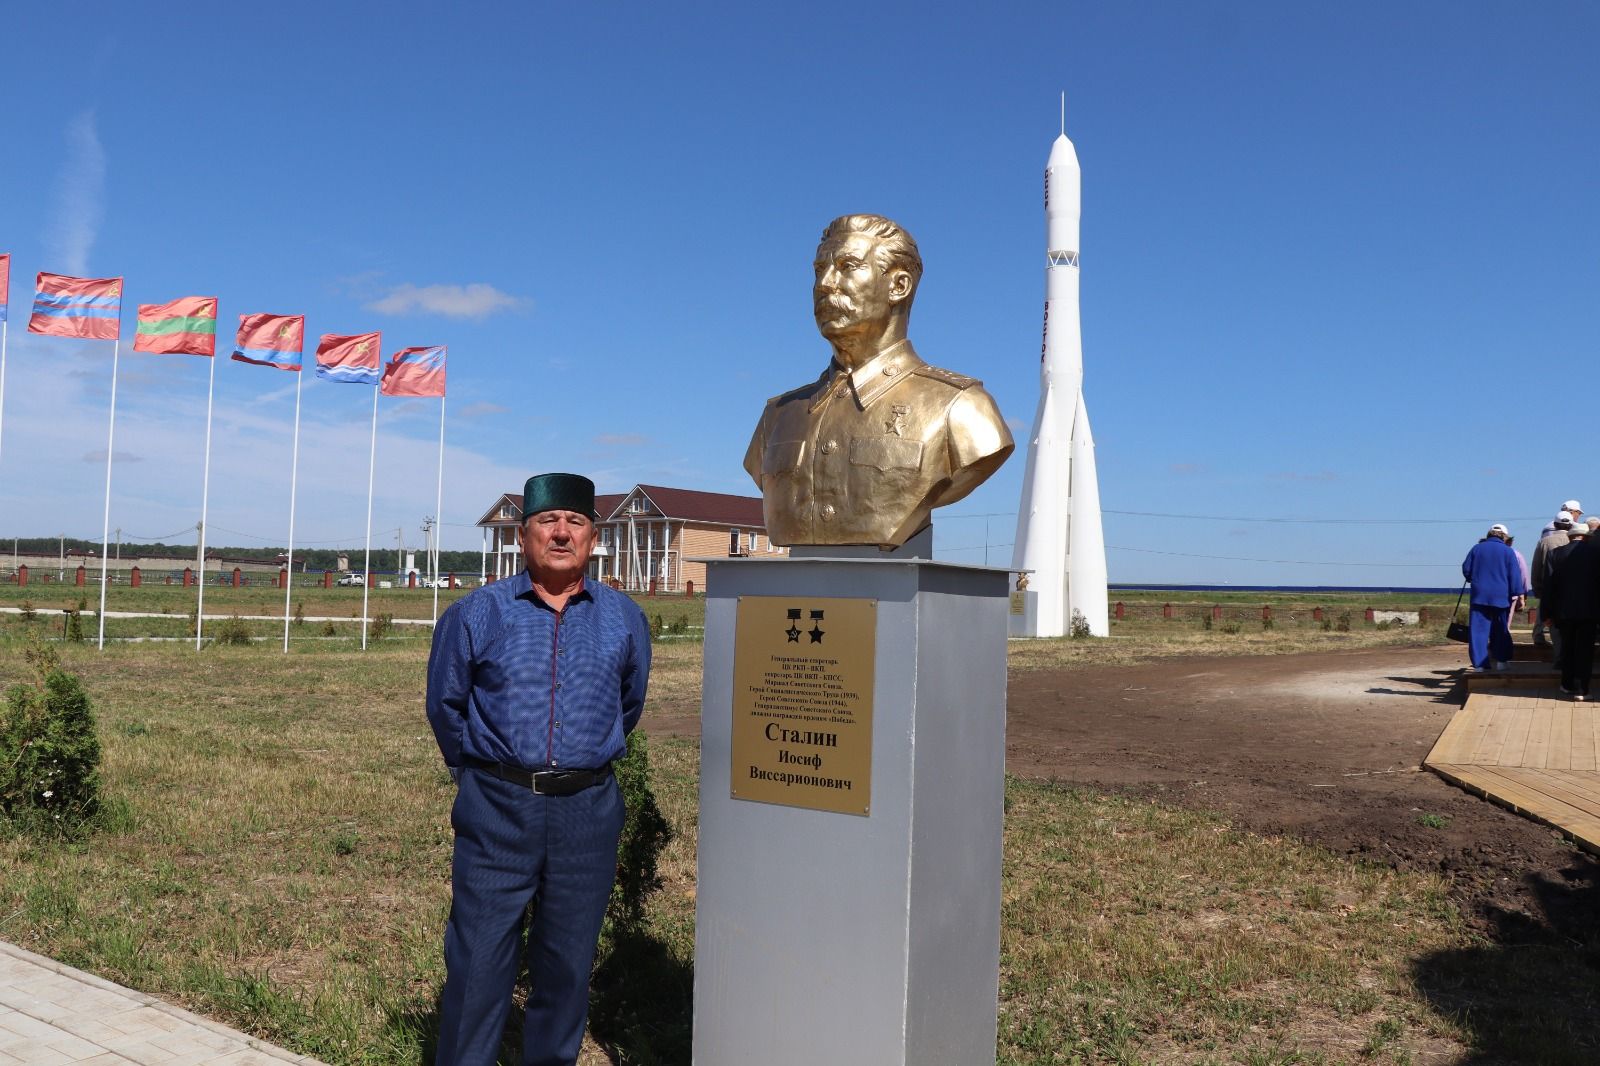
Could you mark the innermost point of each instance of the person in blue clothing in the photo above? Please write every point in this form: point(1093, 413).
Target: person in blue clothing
point(534, 683)
point(1496, 576)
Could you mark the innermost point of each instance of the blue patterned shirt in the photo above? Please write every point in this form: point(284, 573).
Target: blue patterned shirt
point(511, 680)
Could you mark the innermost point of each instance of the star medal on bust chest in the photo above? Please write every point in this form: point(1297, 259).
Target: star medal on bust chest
point(896, 422)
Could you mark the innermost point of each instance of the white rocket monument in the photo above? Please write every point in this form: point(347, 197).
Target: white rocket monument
point(1059, 536)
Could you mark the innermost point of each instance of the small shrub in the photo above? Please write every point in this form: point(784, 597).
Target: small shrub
point(194, 621)
point(299, 613)
point(1205, 622)
point(75, 625)
point(1386, 624)
point(49, 751)
point(655, 627)
point(1267, 623)
point(382, 626)
point(679, 626)
point(645, 833)
point(1079, 629)
point(28, 613)
point(344, 842)
point(329, 629)
point(233, 630)
point(1327, 625)
point(1433, 821)
point(133, 729)
point(1231, 628)
point(1343, 624)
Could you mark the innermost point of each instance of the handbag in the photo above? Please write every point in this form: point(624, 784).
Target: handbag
point(1458, 631)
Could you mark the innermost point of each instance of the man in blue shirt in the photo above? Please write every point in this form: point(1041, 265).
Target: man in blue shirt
point(533, 685)
point(1497, 583)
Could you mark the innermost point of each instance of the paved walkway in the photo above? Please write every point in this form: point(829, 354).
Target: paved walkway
point(53, 1015)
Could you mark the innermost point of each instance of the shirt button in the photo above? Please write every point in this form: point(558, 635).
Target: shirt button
point(558, 725)
point(558, 684)
point(829, 447)
point(828, 512)
point(891, 370)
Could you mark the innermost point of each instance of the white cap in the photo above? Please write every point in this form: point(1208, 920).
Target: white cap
point(1572, 505)
point(1500, 529)
point(1563, 518)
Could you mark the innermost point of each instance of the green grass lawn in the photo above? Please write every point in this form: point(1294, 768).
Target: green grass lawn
point(276, 856)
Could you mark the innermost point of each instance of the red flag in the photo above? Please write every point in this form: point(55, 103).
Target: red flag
point(90, 308)
point(271, 340)
point(414, 372)
point(352, 359)
point(186, 326)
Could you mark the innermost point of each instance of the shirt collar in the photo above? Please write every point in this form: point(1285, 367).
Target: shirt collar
point(883, 372)
point(522, 589)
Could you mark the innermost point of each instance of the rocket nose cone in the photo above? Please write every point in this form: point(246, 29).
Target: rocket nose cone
point(1062, 154)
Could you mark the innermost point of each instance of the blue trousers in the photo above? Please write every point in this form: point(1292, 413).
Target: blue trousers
point(513, 846)
point(1489, 635)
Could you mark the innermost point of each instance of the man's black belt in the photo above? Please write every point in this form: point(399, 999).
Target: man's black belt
point(543, 782)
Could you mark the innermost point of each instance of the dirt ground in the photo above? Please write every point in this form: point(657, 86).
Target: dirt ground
point(1326, 748)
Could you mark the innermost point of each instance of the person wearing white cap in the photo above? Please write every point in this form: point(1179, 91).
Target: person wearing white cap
point(1496, 576)
point(1574, 588)
point(1539, 571)
point(1572, 509)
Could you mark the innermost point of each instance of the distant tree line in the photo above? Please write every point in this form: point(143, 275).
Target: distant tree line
point(383, 558)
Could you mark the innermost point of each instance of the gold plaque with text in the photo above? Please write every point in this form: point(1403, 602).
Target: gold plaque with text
point(802, 702)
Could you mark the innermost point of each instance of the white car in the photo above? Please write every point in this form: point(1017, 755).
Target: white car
point(354, 580)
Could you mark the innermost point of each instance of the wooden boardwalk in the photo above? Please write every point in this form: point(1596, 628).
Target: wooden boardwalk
point(1530, 748)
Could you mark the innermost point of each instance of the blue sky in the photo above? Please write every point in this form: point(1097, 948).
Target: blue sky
point(1339, 263)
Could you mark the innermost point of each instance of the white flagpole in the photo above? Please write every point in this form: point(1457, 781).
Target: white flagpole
point(372, 464)
point(438, 515)
point(111, 436)
point(294, 473)
point(205, 499)
point(5, 328)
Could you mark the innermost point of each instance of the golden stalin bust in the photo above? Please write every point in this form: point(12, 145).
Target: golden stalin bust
point(863, 454)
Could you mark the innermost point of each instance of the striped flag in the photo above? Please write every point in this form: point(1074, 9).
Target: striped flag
point(5, 284)
point(414, 372)
point(352, 359)
point(90, 308)
point(271, 340)
point(186, 326)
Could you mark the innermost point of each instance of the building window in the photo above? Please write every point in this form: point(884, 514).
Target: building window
point(637, 505)
point(754, 541)
point(733, 542)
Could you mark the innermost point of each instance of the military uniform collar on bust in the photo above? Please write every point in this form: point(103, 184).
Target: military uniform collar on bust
point(881, 373)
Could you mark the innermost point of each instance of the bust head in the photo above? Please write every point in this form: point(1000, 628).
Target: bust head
point(867, 269)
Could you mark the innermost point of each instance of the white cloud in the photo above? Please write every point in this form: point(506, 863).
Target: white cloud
point(482, 409)
point(55, 427)
point(477, 300)
point(80, 199)
point(620, 440)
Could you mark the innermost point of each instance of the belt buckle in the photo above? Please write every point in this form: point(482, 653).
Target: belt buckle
point(539, 777)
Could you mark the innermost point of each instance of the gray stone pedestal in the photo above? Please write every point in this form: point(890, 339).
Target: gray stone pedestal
point(848, 939)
